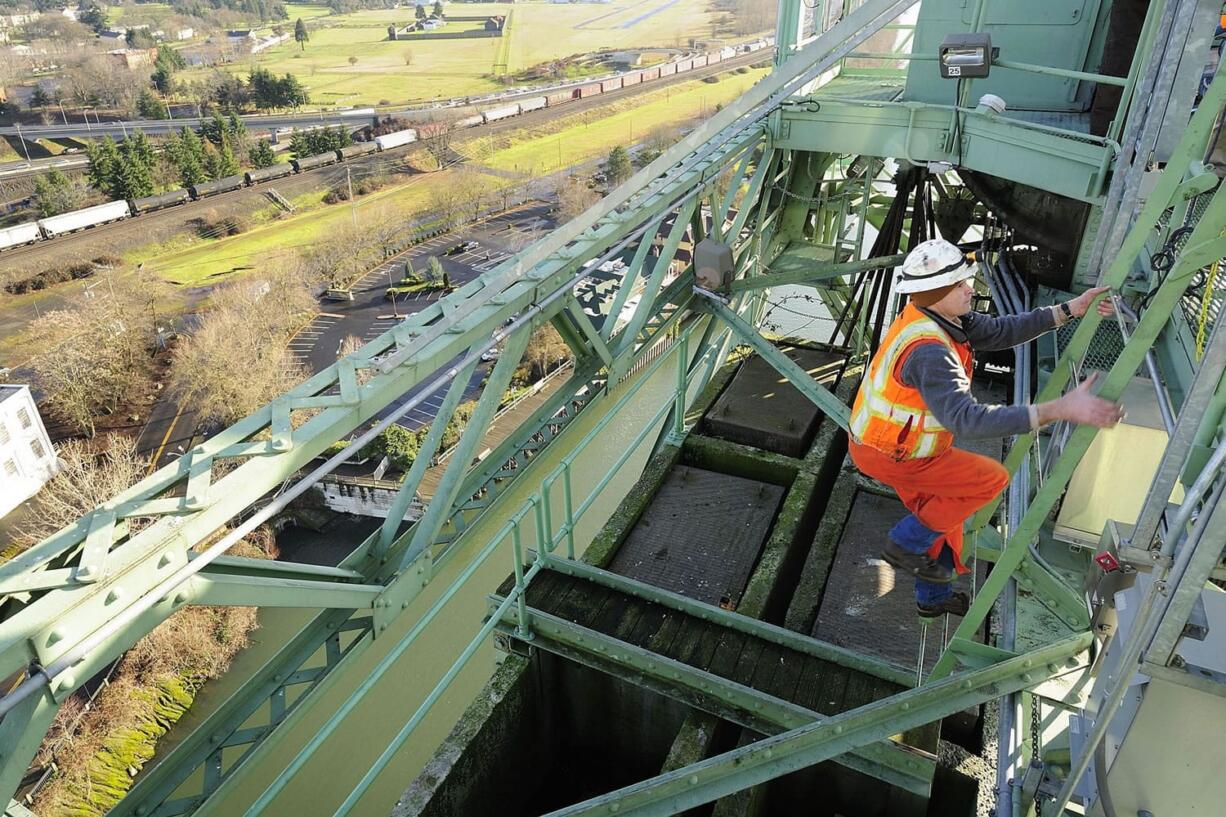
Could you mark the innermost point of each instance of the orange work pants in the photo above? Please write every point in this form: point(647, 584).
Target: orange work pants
point(942, 491)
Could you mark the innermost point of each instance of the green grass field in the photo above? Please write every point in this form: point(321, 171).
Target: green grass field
point(449, 68)
point(581, 138)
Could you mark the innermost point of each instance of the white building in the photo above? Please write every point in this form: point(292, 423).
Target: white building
point(27, 459)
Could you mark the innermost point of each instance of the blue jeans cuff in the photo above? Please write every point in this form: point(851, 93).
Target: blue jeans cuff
point(912, 536)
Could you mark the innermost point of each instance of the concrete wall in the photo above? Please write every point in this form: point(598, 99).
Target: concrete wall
point(365, 499)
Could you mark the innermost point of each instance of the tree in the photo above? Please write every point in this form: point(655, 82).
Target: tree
point(40, 98)
point(438, 8)
point(434, 271)
point(103, 160)
point(300, 34)
point(261, 154)
point(55, 193)
point(237, 133)
point(574, 197)
point(421, 12)
point(353, 60)
point(135, 177)
point(92, 358)
point(219, 161)
point(617, 166)
point(149, 106)
point(237, 359)
point(437, 138)
point(187, 152)
point(89, 474)
point(544, 351)
point(92, 15)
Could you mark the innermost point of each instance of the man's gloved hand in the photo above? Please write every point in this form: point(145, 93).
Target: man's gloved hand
point(1081, 304)
point(1082, 407)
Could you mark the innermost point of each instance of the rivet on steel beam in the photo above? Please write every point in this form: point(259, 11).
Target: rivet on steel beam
point(54, 636)
point(1027, 663)
point(1053, 668)
point(1027, 677)
point(769, 753)
point(693, 780)
point(113, 595)
point(217, 737)
point(165, 560)
point(141, 811)
point(966, 684)
point(615, 807)
point(906, 705)
point(67, 683)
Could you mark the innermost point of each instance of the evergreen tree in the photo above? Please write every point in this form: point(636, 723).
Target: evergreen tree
point(237, 133)
point(292, 93)
point(141, 148)
point(103, 162)
point(261, 154)
point(54, 193)
point(438, 8)
point(135, 177)
point(149, 106)
point(299, 144)
point(617, 166)
point(188, 155)
point(40, 98)
point(300, 34)
point(421, 12)
point(92, 15)
point(226, 164)
point(214, 129)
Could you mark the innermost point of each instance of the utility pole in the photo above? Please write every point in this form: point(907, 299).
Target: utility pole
point(61, 104)
point(24, 146)
point(390, 286)
point(353, 206)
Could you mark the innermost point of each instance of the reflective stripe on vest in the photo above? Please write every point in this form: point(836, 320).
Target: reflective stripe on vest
point(891, 416)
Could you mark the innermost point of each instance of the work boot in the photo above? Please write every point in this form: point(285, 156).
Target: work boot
point(918, 565)
point(956, 605)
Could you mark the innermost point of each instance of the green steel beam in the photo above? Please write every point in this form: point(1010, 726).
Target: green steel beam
point(888, 761)
point(21, 733)
point(830, 405)
point(431, 522)
point(733, 621)
point(773, 757)
point(803, 263)
point(1070, 164)
point(425, 454)
point(574, 310)
point(250, 591)
point(1203, 246)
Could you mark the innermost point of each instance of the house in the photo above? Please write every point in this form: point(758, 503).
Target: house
point(131, 58)
point(184, 33)
point(27, 459)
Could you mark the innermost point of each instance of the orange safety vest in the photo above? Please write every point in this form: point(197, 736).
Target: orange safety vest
point(891, 416)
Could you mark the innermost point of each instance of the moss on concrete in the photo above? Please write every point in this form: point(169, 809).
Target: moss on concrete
point(807, 598)
point(604, 546)
point(739, 460)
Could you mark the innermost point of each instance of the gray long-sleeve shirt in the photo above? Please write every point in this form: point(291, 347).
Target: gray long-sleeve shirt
point(937, 373)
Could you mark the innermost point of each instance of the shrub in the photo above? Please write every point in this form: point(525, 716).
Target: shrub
point(336, 195)
point(711, 80)
point(108, 260)
point(398, 444)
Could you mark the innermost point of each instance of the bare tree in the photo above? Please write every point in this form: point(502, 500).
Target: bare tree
point(237, 359)
point(574, 197)
point(92, 358)
point(90, 472)
point(545, 349)
point(436, 136)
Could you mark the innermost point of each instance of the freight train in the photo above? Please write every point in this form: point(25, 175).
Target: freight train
point(48, 228)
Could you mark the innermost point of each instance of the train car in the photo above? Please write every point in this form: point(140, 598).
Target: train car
point(532, 104)
point(714, 57)
point(80, 219)
point(700, 61)
point(263, 174)
point(224, 185)
point(667, 69)
point(610, 84)
point(311, 162)
point(359, 112)
point(501, 112)
point(684, 65)
point(470, 121)
point(560, 97)
point(158, 201)
point(395, 139)
point(633, 78)
point(19, 234)
point(648, 74)
point(727, 52)
point(355, 150)
point(584, 91)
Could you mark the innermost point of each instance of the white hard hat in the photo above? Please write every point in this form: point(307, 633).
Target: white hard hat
point(933, 264)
